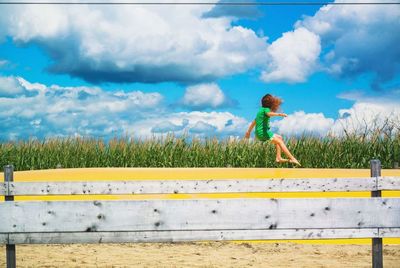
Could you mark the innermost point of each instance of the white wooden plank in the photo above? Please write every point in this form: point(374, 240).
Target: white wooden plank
point(3, 189)
point(193, 186)
point(223, 214)
point(388, 183)
point(389, 232)
point(190, 235)
point(3, 239)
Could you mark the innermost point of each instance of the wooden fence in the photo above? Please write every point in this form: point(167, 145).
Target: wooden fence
point(52, 222)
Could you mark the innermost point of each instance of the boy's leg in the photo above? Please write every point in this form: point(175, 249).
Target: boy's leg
point(279, 141)
point(279, 158)
point(278, 152)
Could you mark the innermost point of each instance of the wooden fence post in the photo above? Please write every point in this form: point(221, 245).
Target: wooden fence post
point(377, 248)
point(10, 248)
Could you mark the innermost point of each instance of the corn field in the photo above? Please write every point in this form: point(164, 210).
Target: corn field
point(347, 152)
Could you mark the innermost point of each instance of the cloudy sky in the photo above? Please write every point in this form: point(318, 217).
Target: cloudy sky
point(146, 70)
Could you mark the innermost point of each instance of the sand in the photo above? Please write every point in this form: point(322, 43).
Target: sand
point(206, 254)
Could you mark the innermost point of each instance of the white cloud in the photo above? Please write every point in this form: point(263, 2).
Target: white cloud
point(46, 111)
point(9, 86)
point(300, 123)
point(248, 11)
point(3, 63)
point(43, 111)
point(135, 43)
point(204, 96)
point(367, 114)
point(358, 39)
point(166, 127)
point(353, 39)
point(294, 57)
point(221, 124)
point(203, 128)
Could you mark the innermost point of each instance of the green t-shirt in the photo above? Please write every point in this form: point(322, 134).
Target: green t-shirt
point(262, 129)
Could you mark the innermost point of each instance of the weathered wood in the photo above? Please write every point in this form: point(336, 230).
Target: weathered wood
point(11, 258)
point(3, 188)
point(10, 248)
point(389, 232)
point(214, 214)
point(193, 186)
point(389, 183)
point(3, 239)
point(190, 235)
point(377, 245)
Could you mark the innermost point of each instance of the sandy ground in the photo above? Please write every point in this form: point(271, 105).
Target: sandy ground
point(209, 254)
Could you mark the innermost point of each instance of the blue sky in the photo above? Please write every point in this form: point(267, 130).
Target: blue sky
point(145, 71)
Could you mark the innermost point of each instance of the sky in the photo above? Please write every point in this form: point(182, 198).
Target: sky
point(144, 71)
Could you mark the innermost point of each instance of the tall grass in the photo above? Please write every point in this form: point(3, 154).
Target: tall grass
point(351, 151)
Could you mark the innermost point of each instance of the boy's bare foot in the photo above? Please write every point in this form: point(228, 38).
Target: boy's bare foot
point(294, 161)
point(281, 160)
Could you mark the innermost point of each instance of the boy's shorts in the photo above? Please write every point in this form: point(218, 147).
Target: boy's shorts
point(270, 134)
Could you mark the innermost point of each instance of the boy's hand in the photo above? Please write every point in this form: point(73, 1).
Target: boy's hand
point(283, 115)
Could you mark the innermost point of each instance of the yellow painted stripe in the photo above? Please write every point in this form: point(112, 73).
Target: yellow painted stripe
point(187, 173)
point(99, 174)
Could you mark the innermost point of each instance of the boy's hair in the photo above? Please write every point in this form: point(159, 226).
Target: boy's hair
point(269, 101)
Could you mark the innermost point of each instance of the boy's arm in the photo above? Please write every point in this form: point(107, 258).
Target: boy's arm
point(250, 128)
point(270, 114)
